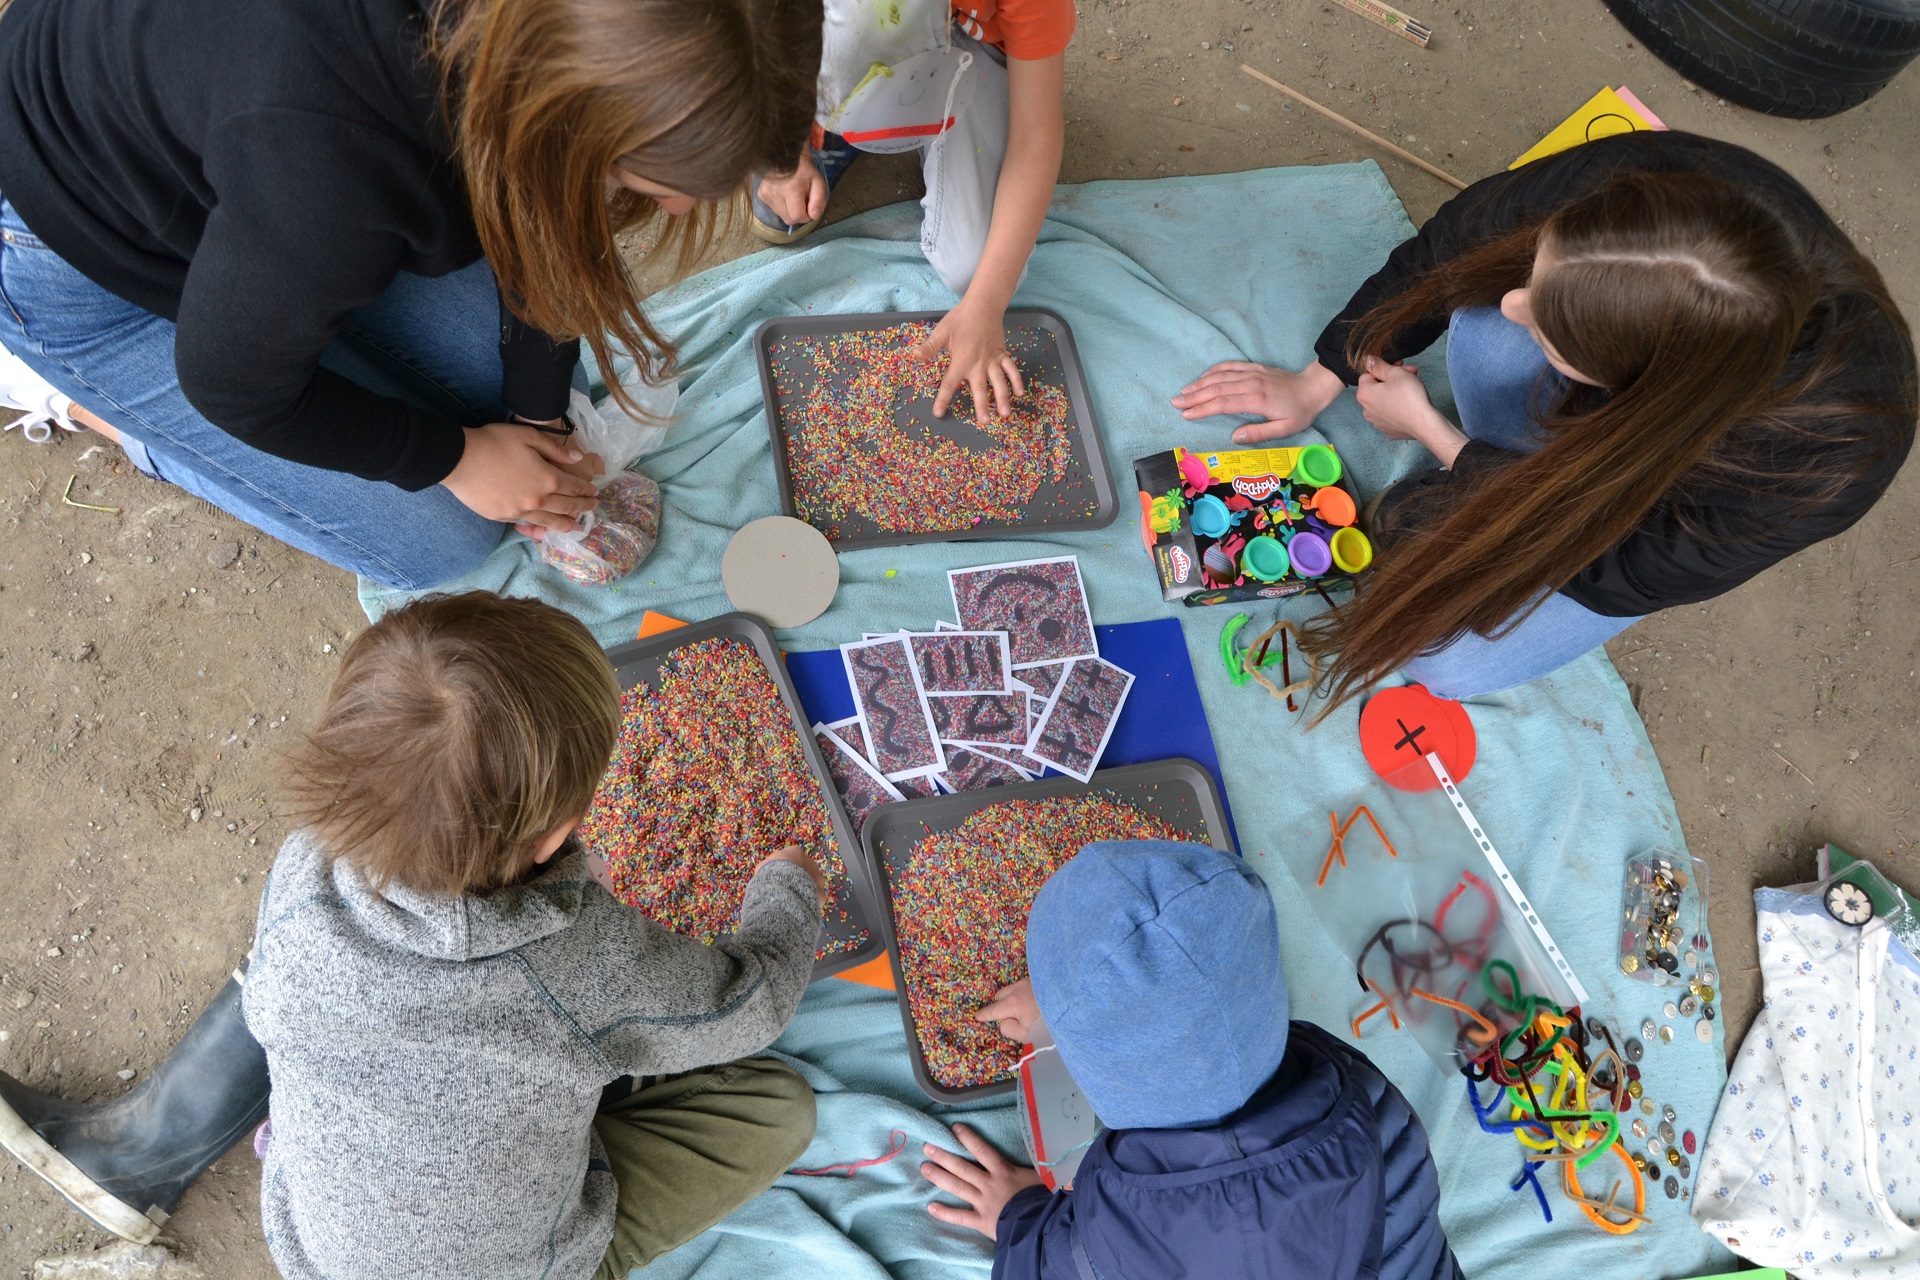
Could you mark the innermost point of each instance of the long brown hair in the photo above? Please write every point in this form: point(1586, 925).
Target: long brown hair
point(459, 731)
point(1683, 297)
point(546, 98)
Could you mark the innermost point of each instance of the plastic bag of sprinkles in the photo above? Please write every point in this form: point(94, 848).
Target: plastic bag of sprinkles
point(614, 538)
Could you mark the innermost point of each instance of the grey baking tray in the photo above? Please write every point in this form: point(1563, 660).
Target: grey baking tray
point(637, 662)
point(1084, 500)
point(1179, 791)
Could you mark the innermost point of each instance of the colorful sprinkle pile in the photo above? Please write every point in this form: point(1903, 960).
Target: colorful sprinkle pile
point(707, 779)
point(961, 913)
point(853, 448)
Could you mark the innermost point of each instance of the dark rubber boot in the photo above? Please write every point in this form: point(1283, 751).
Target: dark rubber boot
point(126, 1163)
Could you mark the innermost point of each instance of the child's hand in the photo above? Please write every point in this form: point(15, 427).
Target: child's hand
point(798, 197)
point(1288, 401)
point(986, 1186)
point(1015, 1009)
point(976, 338)
point(792, 853)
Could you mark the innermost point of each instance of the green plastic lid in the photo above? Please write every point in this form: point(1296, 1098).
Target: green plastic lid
point(1318, 466)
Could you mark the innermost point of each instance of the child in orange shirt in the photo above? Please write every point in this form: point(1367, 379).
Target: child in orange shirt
point(979, 88)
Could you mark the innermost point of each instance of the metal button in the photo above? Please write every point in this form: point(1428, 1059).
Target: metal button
point(1629, 964)
point(1666, 1132)
point(1646, 1106)
point(1646, 1029)
point(1689, 1005)
point(1634, 1049)
point(1673, 1156)
point(1666, 1035)
point(1634, 1089)
point(1668, 1114)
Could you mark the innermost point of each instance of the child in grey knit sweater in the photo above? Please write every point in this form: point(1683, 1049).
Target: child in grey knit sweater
point(453, 1010)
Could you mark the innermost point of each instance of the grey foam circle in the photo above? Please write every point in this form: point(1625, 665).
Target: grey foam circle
point(781, 570)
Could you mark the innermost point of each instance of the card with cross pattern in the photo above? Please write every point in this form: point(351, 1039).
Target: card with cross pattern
point(1079, 719)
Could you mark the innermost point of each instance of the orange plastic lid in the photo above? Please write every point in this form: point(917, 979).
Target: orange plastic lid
point(1399, 726)
point(1335, 506)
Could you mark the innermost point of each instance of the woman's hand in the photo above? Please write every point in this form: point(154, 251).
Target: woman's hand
point(1289, 402)
point(1014, 1009)
point(975, 337)
point(986, 1187)
point(518, 475)
point(1394, 400)
point(798, 197)
point(792, 853)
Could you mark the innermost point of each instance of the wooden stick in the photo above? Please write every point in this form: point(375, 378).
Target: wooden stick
point(1392, 19)
point(1368, 134)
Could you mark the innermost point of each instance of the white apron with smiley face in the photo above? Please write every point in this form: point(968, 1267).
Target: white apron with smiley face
point(890, 77)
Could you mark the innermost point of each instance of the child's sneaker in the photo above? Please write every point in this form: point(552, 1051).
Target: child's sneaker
point(42, 407)
point(833, 156)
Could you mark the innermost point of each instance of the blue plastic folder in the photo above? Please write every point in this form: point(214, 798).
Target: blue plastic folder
point(1162, 717)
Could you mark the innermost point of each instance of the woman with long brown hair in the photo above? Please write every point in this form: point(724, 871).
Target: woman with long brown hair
point(1672, 371)
point(327, 263)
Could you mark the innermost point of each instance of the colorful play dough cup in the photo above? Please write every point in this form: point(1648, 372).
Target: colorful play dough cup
point(1335, 506)
point(1311, 555)
point(1318, 466)
point(1352, 550)
point(1265, 559)
point(1211, 518)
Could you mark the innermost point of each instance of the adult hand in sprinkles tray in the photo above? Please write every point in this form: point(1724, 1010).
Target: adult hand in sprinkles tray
point(1040, 604)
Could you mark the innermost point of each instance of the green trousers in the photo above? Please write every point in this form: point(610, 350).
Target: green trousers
point(688, 1151)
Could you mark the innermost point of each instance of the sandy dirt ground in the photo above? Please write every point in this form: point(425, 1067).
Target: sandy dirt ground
point(157, 657)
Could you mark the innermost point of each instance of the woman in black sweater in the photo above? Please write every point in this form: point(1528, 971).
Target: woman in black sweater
point(327, 263)
point(1672, 370)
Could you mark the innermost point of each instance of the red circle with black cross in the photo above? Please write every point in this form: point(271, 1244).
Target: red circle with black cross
point(1399, 726)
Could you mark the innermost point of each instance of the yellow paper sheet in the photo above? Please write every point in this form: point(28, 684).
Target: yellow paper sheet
point(1604, 114)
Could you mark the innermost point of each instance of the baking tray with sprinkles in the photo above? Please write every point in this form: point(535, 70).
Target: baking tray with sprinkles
point(1179, 791)
point(638, 661)
point(1083, 498)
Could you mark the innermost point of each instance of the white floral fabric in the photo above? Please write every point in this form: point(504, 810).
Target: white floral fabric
point(1812, 1162)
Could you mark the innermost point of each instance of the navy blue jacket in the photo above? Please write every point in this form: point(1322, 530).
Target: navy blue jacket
point(1323, 1175)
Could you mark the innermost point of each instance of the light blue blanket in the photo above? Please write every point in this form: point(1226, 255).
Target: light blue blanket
point(1158, 280)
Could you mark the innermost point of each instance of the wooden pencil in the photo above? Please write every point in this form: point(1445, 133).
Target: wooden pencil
point(1392, 19)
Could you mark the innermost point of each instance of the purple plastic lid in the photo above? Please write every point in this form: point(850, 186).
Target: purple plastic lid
point(1310, 554)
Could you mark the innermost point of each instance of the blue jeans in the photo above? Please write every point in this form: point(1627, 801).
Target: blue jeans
point(433, 342)
point(1498, 374)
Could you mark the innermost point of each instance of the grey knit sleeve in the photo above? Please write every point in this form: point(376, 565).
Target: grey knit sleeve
point(677, 1004)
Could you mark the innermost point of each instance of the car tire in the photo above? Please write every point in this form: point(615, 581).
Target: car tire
point(1799, 58)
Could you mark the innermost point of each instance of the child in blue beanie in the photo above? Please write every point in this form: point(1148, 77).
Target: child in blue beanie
point(1238, 1144)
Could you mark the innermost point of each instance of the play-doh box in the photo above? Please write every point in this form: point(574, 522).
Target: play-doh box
point(1249, 524)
